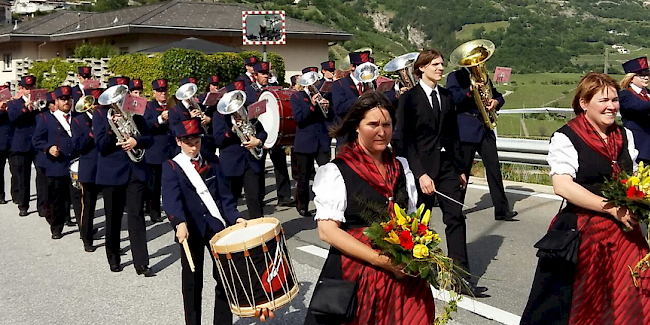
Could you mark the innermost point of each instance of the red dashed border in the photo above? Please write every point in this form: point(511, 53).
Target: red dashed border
point(282, 41)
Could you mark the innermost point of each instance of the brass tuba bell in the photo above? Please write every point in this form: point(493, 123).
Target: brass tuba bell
point(85, 104)
point(367, 73)
point(403, 65)
point(472, 55)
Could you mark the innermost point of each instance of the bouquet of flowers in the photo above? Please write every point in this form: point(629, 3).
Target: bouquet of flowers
point(633, 192)
point(410, 243)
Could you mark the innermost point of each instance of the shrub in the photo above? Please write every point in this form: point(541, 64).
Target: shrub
point(57, 71)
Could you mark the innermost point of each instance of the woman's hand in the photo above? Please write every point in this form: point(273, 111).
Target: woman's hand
point(387, 264)
point(625, 216)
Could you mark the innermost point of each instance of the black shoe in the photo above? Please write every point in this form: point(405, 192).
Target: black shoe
point(470, 289)
point(23, 212)
point(290, 202)
point(89, 248)
point(157, 219)
point(305, 213)
point(57, 235)
point(116, 268)
point(508, 216)
point(69, 223)
point(145, 270)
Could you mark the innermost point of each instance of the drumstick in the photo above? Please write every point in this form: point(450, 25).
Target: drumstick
point(189, 255)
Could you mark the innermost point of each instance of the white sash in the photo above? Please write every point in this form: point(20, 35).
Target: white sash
point(201, 189)
point(64, 124)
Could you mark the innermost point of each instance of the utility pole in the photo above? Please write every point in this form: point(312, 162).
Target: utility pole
point(606, 59)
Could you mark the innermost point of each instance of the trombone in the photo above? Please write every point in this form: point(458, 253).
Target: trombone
point(367, 73)
point(308, 80)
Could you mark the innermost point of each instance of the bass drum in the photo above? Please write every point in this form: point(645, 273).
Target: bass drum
point(278, 119)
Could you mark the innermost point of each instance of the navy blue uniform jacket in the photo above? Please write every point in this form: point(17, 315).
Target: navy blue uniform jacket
point(49, 132)
point(470, 124)
point(311, 132)
point(183, 204)
point(84, 144)
point(164, 144)
point(6, 130)
point(114, 167)
point(233, 156)
point(40, 160)
point(636, 114)
point(24, 123)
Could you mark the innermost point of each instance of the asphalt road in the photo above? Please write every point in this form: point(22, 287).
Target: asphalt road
point(56, 282)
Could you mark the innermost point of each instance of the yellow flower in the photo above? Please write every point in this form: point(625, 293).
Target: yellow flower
point(425, 219)
point(392, 238)
point(420, 251)
point(430, 236)
point(399, 215)
point(632, 181)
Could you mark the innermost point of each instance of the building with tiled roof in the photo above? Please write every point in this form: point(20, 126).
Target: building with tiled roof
point(138, 28)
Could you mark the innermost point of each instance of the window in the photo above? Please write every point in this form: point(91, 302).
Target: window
point(7, 62)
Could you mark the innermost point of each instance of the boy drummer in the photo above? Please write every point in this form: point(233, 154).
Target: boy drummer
point(197, 215)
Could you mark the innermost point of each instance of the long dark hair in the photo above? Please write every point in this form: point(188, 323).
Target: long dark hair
point(369, 100)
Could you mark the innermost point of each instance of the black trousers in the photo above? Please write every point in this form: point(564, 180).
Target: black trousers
point(59, 194)
point(448, 182)
point(89, 192)
point(253, 184)
point(4, 155)
point(282, 180)
point(116, 198)
point(20, 165)
point(305, 163)
point(41, 192)
point(487, 148)
point(153, 189)
point(193, 283)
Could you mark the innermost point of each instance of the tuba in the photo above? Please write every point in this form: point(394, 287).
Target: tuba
point(85, 104)
point(403, 65)
point(308, 80)
point(187, 92)
point(472, 56)
point(124, 127)
point(232, 104)
point(367, 73)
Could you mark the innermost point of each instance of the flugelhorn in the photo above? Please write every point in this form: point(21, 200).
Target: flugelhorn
point(187, 92)
point(403, 65)
point(472, 56)
point(124, 127)
point(308, 80)
point(85, 104)
point(367, 73)
point(232, 104)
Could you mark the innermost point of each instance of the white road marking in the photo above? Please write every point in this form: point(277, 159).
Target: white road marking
point(520, 192)
point(466, 303)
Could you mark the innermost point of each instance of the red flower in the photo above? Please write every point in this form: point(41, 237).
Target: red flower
point(406, 240)
point(640, 194)
point(422, 230)
point(389, 226)
point(631, 192)
point(624, 181)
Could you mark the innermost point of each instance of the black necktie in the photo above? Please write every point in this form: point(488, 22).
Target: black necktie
point(436, 106)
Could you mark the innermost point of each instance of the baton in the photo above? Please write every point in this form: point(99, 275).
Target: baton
point(188, 254)
point(450, 199)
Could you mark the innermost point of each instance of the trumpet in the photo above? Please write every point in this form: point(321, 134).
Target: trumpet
point(367, 73)
point(124, 127)
point(41, 104)
point(403, 65)
point(308, 80)
point(85, 104)
point(187, 92)
point(232, 104)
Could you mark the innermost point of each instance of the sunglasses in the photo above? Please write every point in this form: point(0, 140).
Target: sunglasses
point(64, 98)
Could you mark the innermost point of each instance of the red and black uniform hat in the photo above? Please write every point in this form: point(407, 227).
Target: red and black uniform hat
point(118, 81)
point(135, 84)
point(85, 72)
point(251, 61)
point(28, 81)
point(213, 80)
point(188, 80)
point(188, 128)
point(309, 69)
point(159, 85)
point(638, 66)
point(328, 65)
point(63, 92)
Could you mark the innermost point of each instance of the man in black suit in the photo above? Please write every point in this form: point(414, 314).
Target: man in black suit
point(426, 134)
point(476, 138)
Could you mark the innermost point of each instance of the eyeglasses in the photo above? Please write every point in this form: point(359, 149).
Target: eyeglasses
point(64, 98)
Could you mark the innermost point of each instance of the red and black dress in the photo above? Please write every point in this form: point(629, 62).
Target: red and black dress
point(343, 194)
point(599, 289)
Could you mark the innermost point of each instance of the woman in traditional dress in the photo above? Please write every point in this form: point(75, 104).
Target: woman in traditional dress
point(599, 289)
point(365, 175)
point(635, 104)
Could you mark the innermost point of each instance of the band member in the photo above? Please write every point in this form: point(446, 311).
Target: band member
point(6, 132)
point(294, 82)
point(213, 86)
point(196, 217)
point(22, 114)
point(475, 137)
point(83, 143)
point(78, 91)
point(635, 104)
point(311, 141)
point(426, 132)
point(184, 109)
point(238, 164)
point(249, 76)
point(40, 162)
point(328, 68)
point(135, 87)
point(123, 182)
point(261, 76)
point(156, 116)
point(53, 136)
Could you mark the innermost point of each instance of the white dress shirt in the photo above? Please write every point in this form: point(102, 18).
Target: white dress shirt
point(428, 90)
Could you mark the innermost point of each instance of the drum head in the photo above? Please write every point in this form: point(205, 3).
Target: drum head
point(244, 234)
point(74, 166)
point(271, 118)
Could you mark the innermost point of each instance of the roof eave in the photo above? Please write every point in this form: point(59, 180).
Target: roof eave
point(23, 37)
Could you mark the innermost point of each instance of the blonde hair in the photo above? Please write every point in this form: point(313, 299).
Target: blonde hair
point(589, 86)
point(627, 80)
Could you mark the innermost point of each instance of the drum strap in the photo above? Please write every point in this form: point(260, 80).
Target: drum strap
point(201, 189)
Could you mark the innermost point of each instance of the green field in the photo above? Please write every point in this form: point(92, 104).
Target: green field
point(467, 33)
point(538, 90)
point(615, 59)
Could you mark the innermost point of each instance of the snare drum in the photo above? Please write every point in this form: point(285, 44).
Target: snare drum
point(278, 119)
point(255, 266)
